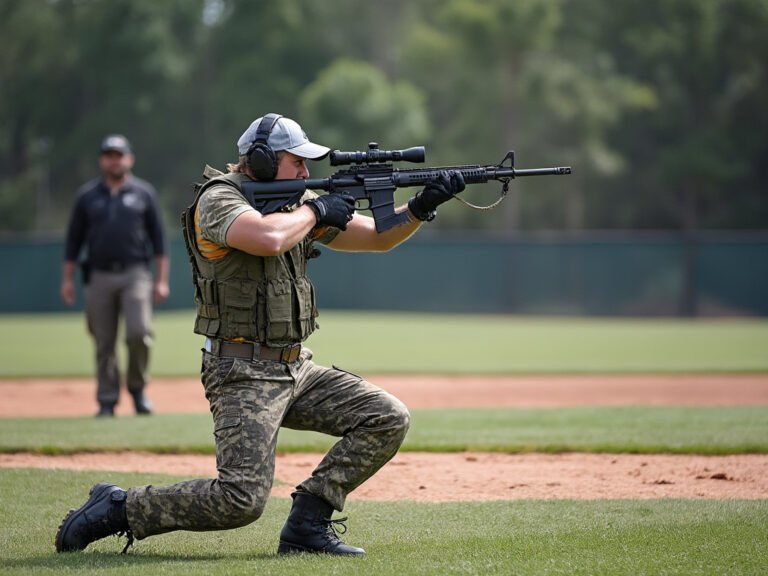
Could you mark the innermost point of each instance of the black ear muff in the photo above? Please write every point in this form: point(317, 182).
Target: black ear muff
point(262, 160)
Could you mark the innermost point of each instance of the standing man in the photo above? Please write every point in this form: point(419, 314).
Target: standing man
point(255, 306)
point(117, 219)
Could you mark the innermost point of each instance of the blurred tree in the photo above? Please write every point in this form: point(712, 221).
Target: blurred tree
point(77, 70)
point(260, 57)
point(29, 38)
point(468, 56)
point(351, 100)
point(279, 57)
point(571, 108)
point(696, 156)
point(658, 104)
point(500, 75)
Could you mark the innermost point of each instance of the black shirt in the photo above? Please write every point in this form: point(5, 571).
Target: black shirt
point(116, 229)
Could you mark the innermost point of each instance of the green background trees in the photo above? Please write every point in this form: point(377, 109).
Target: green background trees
point(659, 105)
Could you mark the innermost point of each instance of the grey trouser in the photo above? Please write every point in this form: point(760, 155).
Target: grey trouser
point(107, 296)
point(250, 400)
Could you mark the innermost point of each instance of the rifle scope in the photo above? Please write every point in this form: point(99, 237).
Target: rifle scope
point(415, 154)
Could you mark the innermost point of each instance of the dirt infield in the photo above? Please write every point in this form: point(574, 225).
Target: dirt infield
point(182, 395)
point(464, 476)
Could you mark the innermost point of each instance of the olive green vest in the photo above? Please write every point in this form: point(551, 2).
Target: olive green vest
point(266, 299)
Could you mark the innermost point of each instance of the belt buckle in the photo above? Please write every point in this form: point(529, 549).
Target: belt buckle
point(290, 353)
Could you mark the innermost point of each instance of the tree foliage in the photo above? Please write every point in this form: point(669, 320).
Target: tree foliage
point(351, 98)
point(659, 105)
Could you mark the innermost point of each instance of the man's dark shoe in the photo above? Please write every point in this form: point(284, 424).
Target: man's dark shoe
point(102, 515)
point(106, 410)
point(142, 405)
point(309, 528)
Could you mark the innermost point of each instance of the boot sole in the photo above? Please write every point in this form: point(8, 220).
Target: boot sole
point(290, 548)
point(286, 548)
point(94, 496)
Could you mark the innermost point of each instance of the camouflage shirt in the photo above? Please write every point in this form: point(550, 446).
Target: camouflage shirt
point(220, 206)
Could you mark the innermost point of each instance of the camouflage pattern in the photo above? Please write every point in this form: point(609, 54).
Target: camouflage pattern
point(249, 401)
point(219, 207)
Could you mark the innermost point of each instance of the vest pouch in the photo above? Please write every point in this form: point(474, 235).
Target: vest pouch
point(206, 297)
point(208, 320)
point(239, 304)
point(305, 296)
point(279, 307)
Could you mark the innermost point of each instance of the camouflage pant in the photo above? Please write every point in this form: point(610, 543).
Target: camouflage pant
point(250, 400)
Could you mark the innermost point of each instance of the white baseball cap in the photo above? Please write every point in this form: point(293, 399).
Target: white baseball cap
point(287, 135)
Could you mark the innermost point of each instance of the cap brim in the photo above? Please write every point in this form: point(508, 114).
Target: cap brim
point(310, 151)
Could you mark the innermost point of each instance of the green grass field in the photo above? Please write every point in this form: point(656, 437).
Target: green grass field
point(611, 537)
point(628, 429)
point(57, 345)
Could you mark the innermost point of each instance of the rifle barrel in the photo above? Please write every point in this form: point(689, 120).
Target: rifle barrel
point(556, 171)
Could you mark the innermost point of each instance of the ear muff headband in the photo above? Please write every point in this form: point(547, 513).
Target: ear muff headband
point(262, 160)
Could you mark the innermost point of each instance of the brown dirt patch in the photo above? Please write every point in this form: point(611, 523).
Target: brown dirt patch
point(464, 476)
point(76, 397)
point(478, 477)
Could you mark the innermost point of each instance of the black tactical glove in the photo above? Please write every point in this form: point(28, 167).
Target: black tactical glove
point(333, 210)
point(438, 190)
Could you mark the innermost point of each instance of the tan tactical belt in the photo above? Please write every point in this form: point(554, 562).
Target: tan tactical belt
point(254, 351)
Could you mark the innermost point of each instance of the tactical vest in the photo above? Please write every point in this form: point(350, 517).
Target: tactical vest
point(265, 299)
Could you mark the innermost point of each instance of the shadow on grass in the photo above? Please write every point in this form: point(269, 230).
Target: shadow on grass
point(107, 560)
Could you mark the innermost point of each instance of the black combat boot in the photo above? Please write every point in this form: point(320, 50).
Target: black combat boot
point(105, 410)
point(101, 516)
point(309, 528)
point(141, 403)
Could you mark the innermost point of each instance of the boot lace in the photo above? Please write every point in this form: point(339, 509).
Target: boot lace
point(128, 534)
point(334, 527)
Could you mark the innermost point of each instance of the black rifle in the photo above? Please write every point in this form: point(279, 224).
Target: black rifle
point(371, 180)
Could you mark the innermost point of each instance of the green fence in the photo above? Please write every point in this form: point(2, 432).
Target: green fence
point(609, 274)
